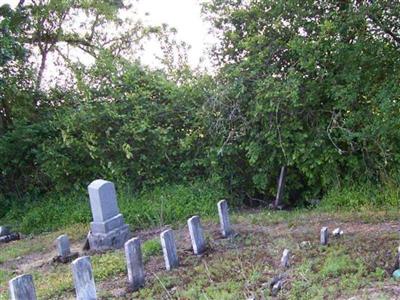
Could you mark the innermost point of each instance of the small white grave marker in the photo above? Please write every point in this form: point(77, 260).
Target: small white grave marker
point(223, 213)
point(169, 249)
point(85, 288)
point(324, 236)
point(196, 235)
point(285, 260)
point(134, 263)
point(63, 247)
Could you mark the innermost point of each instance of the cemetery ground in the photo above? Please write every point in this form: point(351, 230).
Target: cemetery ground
point(358, 264)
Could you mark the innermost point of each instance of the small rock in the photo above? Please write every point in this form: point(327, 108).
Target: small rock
point(9, 237)
point(313, 202)
point(276, 284)
point(305, 245)
point(276, 288)
point(396, 274)
point(337, 232)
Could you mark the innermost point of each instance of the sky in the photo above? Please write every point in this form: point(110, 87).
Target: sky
point(184, 15)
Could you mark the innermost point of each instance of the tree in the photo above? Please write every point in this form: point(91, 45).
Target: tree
point(307, 84)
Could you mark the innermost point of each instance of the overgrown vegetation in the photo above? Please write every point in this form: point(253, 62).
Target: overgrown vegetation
point(170, 204)
point(308, 85)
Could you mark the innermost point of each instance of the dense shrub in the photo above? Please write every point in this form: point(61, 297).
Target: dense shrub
point(312, 85)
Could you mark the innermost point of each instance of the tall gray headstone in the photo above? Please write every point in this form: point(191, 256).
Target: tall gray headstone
point(196, 235)
point(285, 260)
point(63, 247)
point(134, 263)
point(108, 229)
point(82, 273)
point(22, 288)
point(223, 213)
point(169, 249)
point(324, 236)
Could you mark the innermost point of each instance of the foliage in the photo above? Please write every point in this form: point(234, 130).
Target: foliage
point(113, 118)
point(310, 85)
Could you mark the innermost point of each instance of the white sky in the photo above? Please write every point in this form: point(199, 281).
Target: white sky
point(184, 15)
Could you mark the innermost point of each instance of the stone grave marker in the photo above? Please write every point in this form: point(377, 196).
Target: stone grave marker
point(63, 248)
point(64, 254)
point(22, 288)
point(285, 260)
point(324, 236)
point(134, 263)
point(223, 213)
point(169, 249)
point(108, 229)
point(82, 273)
point(196, 235)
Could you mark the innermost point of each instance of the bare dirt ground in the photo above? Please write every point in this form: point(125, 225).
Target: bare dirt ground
point(355, 266)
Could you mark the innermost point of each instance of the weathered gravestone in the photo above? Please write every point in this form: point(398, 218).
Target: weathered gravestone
point(324, 236)
point(223, 213)
point(134, 263)
point(196, 235)
point(22, 288)
point(64, 254)
point(82, 273)
point(63, 248)
point(285, 260)
point(169, 249)
point(108, 229)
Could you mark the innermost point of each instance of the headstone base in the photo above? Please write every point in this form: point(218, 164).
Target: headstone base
point(114, 239)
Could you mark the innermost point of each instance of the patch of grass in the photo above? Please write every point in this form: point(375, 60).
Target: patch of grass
point(41, 243)
point(151, 248)
point(21, 248)
point(365, 195)
point(337, 264)
point(4, 275)
point(108, 264)
point(54, 282)
point(168, 204)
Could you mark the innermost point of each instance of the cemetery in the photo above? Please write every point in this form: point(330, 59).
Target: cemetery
point(251, 257)
point(199, 149)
